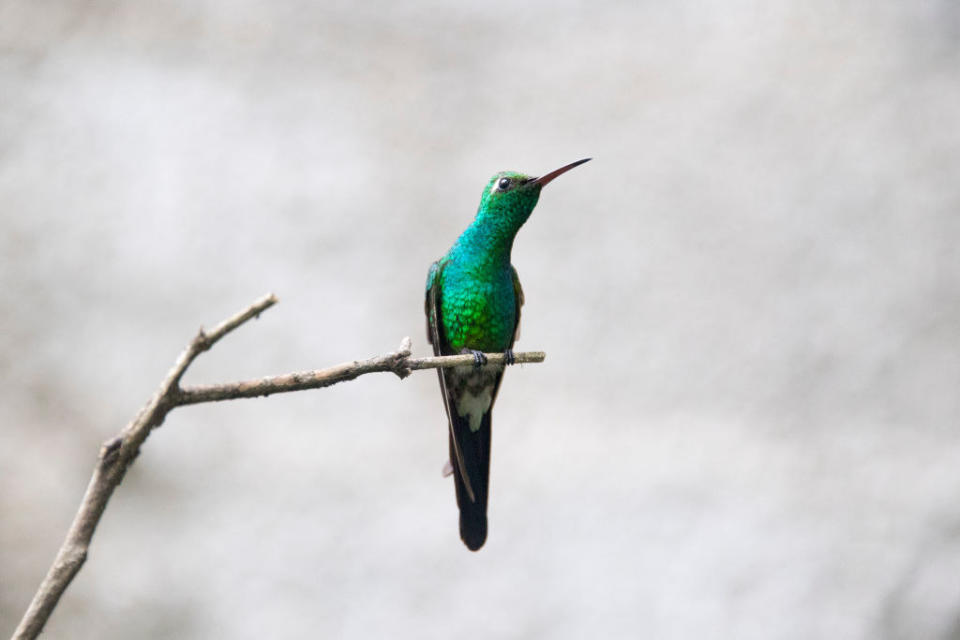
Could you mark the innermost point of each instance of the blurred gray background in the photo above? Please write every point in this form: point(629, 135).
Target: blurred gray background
point(747, 424)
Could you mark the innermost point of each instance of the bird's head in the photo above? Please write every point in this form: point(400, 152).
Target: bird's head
point(509, 197)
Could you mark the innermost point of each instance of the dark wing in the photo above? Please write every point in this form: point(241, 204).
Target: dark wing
point(431, 306)
point(434, 324)
point(518, 296)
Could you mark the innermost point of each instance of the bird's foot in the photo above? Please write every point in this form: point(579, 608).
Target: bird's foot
point(508, 357)
point(479, 357)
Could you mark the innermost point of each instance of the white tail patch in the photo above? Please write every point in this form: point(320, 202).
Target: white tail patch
point(474, 406)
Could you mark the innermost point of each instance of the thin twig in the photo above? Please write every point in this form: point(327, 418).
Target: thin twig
point(117, 454)
point(398, 362)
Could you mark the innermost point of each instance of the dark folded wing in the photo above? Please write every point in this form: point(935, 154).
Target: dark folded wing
point(434, 323)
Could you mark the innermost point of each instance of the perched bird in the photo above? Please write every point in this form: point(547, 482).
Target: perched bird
point(473, 306)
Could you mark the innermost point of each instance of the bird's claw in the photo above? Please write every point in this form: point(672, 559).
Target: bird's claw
point(479, 358)
point(508, 357)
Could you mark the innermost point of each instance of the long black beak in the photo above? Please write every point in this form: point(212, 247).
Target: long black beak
point(542, 180)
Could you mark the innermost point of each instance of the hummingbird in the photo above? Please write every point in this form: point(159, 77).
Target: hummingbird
point(473, 306)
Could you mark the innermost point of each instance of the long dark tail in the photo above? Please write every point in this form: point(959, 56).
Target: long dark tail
point(475, 446)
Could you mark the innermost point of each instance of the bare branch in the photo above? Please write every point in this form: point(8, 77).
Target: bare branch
point(115, 457)
point(398, 362)
point(117, 454)
point(442, 362)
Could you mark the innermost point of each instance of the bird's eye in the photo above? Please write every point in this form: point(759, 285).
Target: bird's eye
point(504, 184)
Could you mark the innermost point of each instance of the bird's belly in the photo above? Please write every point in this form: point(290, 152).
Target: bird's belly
point(480, 317)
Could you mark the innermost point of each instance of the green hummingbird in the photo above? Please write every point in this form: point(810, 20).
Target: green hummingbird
point(473, 306)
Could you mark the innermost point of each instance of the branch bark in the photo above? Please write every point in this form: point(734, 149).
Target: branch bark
point(117, 454)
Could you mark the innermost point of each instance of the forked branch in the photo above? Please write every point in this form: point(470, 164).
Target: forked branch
point(118, 453)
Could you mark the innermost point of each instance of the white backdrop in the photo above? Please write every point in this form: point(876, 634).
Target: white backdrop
point(746, 426)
